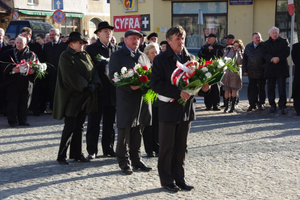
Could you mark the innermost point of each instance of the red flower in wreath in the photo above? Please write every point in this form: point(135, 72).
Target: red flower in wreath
point(143, 78)
point(145, 68)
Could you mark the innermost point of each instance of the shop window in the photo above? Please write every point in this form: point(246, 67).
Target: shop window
point(214, 21)
point(70, 25)
point(32, 2)
point(283, 21)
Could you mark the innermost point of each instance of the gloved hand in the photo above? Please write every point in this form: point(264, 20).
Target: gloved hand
point(91, 87)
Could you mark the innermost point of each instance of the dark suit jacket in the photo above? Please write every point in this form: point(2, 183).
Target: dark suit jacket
point(52, 53)
point(107, 95)
point(296, 60)
point(4, 48)
point(129, 112)
point(37, 49)
point(163, 66)
point(218, 51)
point(278, 48)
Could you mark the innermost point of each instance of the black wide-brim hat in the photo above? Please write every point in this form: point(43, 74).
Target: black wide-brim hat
point(103, 25)
point(75, 36)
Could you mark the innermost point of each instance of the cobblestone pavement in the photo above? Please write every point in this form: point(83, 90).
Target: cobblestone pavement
point(241, 155)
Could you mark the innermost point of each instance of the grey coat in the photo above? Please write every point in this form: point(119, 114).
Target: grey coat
point(130, 112)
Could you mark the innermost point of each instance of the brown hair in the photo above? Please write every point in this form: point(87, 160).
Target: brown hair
point(26, 29)
point(175, 30)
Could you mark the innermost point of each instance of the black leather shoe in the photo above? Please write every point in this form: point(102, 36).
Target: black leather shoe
point(24, 124)
point(207, 108)
point(127, 171)
point(272, 109)
point(142, 167)
point(184, 186)
point(172, 187)
point(110, 153)
point(63, 161)
point(216, 108)
point(82, 159)
point(261, 107)
point(13, 124)
point(91, 156)
point(283, 111)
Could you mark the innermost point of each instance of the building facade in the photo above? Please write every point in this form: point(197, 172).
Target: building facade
point(201, 17)
point(80, 15)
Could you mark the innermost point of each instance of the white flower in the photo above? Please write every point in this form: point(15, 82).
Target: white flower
point(221, 63)
point(116, 75)
point(208, 74)
point(227, 59)
point(116, 79)
point(137, 66)
point(130, 73)
point(204, 69)
point(123, 70)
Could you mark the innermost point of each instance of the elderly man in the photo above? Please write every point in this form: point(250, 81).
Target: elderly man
point(276, 51)
point(253, 67)
point(152, 37)
point(209, 51)
point(174, 118)
point(17, 83)
point(75, 95)
point(106, 96)
point(52, 51)
point(130, 115)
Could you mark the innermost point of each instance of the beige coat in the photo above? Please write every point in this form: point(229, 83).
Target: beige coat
point(233, 79)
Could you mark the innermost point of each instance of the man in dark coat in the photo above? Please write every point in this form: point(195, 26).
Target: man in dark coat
point(18, 84)
point(174, 118)
point(75, 95)
point(296, 82)
point(130, 113)
point(106, 96)
point(3, 47)
point(253, 67)
point(210, 51)
point(52, 51)
point(276, 51)
point(36, 98)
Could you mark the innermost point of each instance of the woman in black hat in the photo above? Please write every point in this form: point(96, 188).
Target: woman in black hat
point(75, 95)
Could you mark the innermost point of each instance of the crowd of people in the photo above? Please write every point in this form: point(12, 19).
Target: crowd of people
point(79, 83)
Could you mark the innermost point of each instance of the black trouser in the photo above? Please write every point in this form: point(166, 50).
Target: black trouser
point(256, 92)
point(72, 135)
point(50, 84)
point(17, 105)
point(150, 134)
point(36, 97)
point(213, 97)
point(3, 106)
point(297, 104)
point(128, 146)
point(172, 151)
point(281, 82)
point(108, 132)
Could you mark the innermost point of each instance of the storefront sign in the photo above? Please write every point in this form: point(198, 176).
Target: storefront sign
point(134, 22)
point(130, 5)
point(241, 2)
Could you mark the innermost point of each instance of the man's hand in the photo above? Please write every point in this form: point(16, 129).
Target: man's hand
point(275, 60)
point(246, 73)
point(205, 87)
point(135, 87)
point(210, 48)
point(16, 69)
point(184, 95)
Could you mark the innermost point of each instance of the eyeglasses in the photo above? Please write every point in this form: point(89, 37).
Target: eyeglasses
point(81, 43)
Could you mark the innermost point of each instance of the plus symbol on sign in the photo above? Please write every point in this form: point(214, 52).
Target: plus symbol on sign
point(145, 22)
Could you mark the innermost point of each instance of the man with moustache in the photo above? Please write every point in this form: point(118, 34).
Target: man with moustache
point(106, 96)
point(131, 115)
point(52, 51)
point(174, 118)
point(253, 67)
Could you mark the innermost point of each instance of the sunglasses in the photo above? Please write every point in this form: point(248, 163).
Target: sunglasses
point(81, 43)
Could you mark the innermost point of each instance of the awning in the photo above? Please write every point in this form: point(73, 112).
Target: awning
point(49, 13)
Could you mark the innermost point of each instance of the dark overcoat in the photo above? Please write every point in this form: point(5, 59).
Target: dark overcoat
point(129, 102)
point(75, 72)
point(296, 60)
point(107, 95)
point(218, 51)
point(163, 66)
point(253, 61)
point(278, 48)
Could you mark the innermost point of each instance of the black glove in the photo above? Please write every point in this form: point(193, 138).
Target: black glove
point(91, 87)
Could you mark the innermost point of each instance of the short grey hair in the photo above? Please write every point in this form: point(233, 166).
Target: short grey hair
point(57, 32)
point(23, 38)
point(274, 28)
